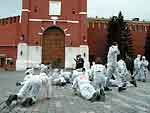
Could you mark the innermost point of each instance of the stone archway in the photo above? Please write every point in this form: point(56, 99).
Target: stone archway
point(53, 45)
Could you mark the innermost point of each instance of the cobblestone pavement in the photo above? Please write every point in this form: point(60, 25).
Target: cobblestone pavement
point(133, 100)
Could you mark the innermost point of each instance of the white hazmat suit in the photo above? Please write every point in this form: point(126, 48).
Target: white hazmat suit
point(112, 62)
point(99, 72)
point(121, 75)
point(36, 87)
point(28, 74)
point(137, 66)
point(143, 69)
point(82, 84)
point(57, 78)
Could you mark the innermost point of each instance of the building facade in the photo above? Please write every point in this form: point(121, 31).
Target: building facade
point(97, 35)
point(49, 30)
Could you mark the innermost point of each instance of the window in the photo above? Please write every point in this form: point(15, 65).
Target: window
point(130, 27)
point(3, 21)
point(10, 20)
point(55, 7)
point(35, 9)
point(105, 26)
point(14, 19)
point(145, 27)
point(133, 28)
point(136, 28)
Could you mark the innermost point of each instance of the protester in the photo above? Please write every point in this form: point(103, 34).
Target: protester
point(99, 72)
point(137, 66)
point(143, 69)
point(32, 90)
point(112, 62)
point(57, 79)
point(122, 77)
point(82, 85)
point(28, 74)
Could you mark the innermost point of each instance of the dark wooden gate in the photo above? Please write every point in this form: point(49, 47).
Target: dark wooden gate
point(53, 45)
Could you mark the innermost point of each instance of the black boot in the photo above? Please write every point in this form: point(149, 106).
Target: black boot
point(10, 99)
point(63, 84)
point(124, 84)
point(94, 98)
point(133, 82)
point(121, 89)
point(107, 89)
point(143, 80)
point(18, 83)
point(102, 95)
point(28, 102)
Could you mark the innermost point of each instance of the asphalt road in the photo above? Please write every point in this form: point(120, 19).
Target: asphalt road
point(133, 100)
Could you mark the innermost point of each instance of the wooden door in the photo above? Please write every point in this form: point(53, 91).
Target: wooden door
point(53, 45)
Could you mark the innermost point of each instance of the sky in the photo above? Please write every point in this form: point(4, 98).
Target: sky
point(101, 8)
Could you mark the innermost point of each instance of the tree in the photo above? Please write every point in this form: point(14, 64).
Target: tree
point(147, 46)
point(119, 32)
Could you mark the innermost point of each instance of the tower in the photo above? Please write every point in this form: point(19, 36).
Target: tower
point(42, 20)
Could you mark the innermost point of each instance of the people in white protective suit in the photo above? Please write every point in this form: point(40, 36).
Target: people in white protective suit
point(99, 71)
point(137, 66)
point(122, 77)
point(28, 74)
point(67, 75)
point(86, 62)
point(75, 74)
point(121, 71)
point(91, 75)
point(143, 69)
point(82, 85)
point(112, 61)
point(57, 78)
point(34, 88)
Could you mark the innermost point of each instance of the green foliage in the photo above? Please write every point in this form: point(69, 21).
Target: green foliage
point(56, 63)
point(119, 32)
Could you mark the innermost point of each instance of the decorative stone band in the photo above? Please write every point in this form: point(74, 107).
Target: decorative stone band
point(68, 35)
point(83, 13)
point(8, 45)
point(26, 10)
point(20, 19)
point(47, 20)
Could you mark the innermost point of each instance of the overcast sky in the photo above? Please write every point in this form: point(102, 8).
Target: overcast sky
point(100, 8)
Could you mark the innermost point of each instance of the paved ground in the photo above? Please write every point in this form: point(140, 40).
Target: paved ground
point(134, 100)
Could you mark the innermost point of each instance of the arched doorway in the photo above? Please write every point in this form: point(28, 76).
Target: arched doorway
point(53, 45)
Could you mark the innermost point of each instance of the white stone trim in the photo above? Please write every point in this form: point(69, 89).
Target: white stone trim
point(83, 13)
point(40, 33)
point(20, 19)
point(31, 56)
point(70, 21)
point(54, 18)
point(26, 10)
point(48, 20)
point(36, 20)
point(71, 52)
point(68, 34)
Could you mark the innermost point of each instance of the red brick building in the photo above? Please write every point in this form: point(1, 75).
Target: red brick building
point(97, 35)
point(56, 29)
point(45, 31)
